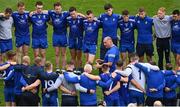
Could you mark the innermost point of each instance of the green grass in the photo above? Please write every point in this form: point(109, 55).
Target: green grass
point(151, 7)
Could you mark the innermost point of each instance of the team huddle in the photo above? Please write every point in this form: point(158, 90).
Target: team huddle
point(124, 76)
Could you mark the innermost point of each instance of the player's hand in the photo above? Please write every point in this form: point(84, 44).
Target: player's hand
point(167, 89)
point(113, 75)
point(107, 93)
point(13, 63)
point(97, 65)
point(99, 61)
point(44, 90)
point(92, 91)
point(34, 91)
point(73, 93)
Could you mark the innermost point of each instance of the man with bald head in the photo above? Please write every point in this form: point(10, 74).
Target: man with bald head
point(112, 55)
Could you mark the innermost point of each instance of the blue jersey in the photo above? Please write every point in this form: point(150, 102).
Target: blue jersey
point(9, 80)
point(39, 25)
point(59, 22)
point(105, 77)
point(85, 98)
point(21, 23)
point(175, 25)
point(75, 27)
point(170, 83)
point(144, 29)
point(91, 31)
point(112, 55)
point(127, 32)
point(109, 25)
point(48, 83)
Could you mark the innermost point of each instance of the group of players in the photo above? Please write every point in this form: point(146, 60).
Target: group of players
point(119, 88)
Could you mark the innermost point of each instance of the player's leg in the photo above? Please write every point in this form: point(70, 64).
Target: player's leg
point(43, 55)
point(79, 59)
point(91, 58)
point(19, 54)
point(149, 52)
point(57, 55)
point(92, 53)
point(73, 56)
point(160, 54)
point(36, 52)
point(25, 50)
point(167, 51)
point(63, 56)
point(140, 49)
point(86, 57)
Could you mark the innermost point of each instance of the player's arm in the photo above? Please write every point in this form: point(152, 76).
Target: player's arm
point(126, 72)
point(116, 88)
point(162, 85)
point(93, 77)
point(82, 15)
point(55, 86)
point(33, 85)
point(146, 70)
point(47, 76)
point(4, 67)
point(9, 76)
point(65, 90)
point(137, 85)
point(74, 79)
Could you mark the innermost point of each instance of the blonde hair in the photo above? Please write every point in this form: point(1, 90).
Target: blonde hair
point(163, 9)
point(87, 68)
point(26, 59)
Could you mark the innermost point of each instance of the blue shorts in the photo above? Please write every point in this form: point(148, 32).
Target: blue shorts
point(5, 45)
point(112, 102)
point(39, 43)
point(9, 94)
point(141, 49)
point(127, 48)
point(23, 40)
point(75, 43)
point(89, 48)
point(49, 100)
point(175, 48)
point(59, 40)
point(136, 97)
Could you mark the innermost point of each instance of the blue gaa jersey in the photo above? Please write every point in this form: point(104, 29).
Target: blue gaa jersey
point(91, 31)
point(175, 25)
point(39, 25)
point(115, 95)
point(144, 29)
point(9, 83)
point(59, 22)
point(112, 55)
point(21, 23)
point(109, 25)
point(75, 27)
point(127, 32)
point(170, 83)
point(48, 83)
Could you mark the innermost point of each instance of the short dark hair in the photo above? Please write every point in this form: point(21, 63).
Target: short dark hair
point(152, 63)
point(10, 54)
point(88, 12)
point(39, 3)
point(71, 9)
point(134, 57)
point(57, 4)
point(119, 63)
point(169, 66)
point(20, 4)
point(125, 12)
point(8, 10)
point(176, 12)
point(141, 9)
point(107, 6)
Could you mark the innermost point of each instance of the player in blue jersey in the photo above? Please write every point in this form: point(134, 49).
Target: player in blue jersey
point(112, 55)
point(169, 97)
point(109, 22)
point(59, 38)
point(39, 21)
point(144, 41)
point(22, 34)
point(49, 98)
point(6, 22)
point(91, 28)
point(9, 81)
point(175, 40)
point(127, 27)
point(75, 23)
